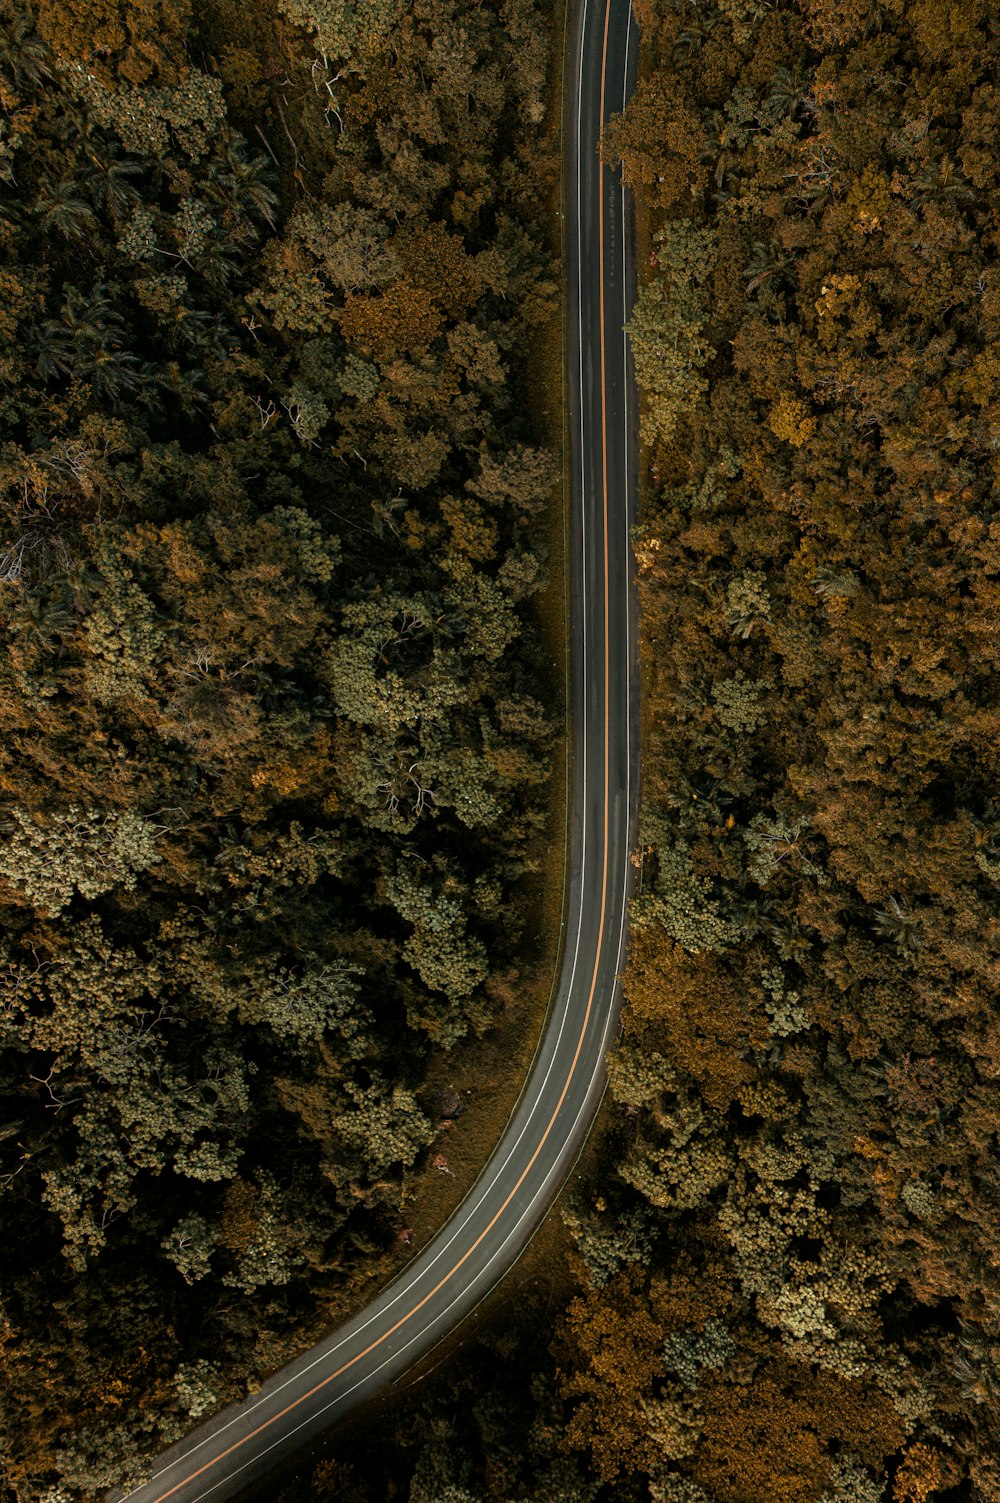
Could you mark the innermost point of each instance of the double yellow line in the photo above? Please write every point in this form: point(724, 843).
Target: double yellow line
point(403, 1320)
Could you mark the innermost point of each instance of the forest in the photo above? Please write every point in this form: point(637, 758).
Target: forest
point(780, 1274)
point(278, 730)
point(810, 1085)
point(277, 723)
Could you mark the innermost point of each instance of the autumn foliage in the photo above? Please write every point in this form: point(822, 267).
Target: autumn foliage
point(276, 728)
point(808, 1083)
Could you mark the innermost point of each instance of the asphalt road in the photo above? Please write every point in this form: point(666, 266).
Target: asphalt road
point(495, 1222)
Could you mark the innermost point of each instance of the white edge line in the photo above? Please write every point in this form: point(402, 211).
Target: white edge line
point(265, 1397)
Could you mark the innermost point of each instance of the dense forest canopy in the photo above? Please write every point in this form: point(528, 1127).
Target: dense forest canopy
point(276, 729)
point(786, 1246)
point(797, 1239)
point(277, 733)
point(823, 762)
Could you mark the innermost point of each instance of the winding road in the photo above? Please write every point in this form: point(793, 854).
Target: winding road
point(498, 1217)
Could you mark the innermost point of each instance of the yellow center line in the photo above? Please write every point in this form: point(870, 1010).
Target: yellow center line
point(404, 1319)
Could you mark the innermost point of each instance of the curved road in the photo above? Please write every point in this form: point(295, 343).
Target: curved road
point(495, 1222)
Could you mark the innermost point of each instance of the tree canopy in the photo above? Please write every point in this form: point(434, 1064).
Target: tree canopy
point(274, 757)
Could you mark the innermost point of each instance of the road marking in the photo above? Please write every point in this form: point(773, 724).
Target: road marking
point(221, 1456)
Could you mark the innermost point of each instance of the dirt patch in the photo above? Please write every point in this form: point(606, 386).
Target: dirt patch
point(489, 1072)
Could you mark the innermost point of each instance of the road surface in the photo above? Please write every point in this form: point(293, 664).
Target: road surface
point(495, 1222)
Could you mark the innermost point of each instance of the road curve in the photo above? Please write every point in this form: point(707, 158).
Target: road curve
point(498, 1217)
